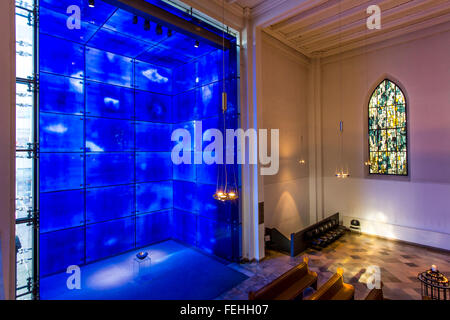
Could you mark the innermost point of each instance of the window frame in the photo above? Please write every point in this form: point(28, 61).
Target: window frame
point(367, 140)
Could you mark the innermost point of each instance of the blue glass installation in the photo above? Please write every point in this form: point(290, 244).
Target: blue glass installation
point(103, 204)
point(185, 226)
point(61, 210)
point(62, 94)
point(120, 68)
point(153, 227)
point(61, 133)
point(61, 57)
point(111, 94)
point(153, 107)
point(154, 196)
point(109, 169)
point(61, 171)
point(108, 135)
point(103, 100)
point(153, 166)
point(153, 137)
point(109, 238)
point(153, 78)
point(60, 249)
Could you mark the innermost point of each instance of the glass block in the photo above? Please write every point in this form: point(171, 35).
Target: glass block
point(215, 237)
point(61, 210)
point(153, 166)
point(162, 57)
point(210, 68)
point(109, 238)
point(119, 43)
point(24, 257)
point(207, 174)
point(61, 249)
point(153, 227)
point(185, 46)
point(104, 100)
point(24, 44)
point(153, 137)
point(209, 100)
point(122, 21)
point(109, 135)
point(185, 77)
point(109, 169)
point(61, 57)
point(154, 196)
point(120, 68)
point(24, 185)
point(56, 24)
point(61, 133)
point(61, 94)
point(153, 78)
point(185, 107)
point(97, 15)
point(186, 172)
point(185, 196)
point(185, 226)
point(61, 171)
point(24, 116)
point(153, 107)
point(110, 203)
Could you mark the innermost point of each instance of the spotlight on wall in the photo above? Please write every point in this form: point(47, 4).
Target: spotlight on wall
point(159, 30)
point(197, 44)
point(147, 25)
point(92, 3)
point(169, 33)
point(135, 20)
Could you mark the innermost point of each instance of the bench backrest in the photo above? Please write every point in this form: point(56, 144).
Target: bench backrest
point(329, 289)
point(280, 284)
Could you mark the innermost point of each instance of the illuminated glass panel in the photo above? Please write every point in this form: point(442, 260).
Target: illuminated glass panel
point(185, 226)
point(61, 210)
point(24, 185)
point(61, 133)
point(24, 257)
point(61, 94)
point(153, 227)
point(60, 249)
point(154, 196)
point(109, 238)
point(387, 130)
point(61, 171)
point(153, 107)
point(109, 135)
point(109, 203)
point(120, 68)
point(109, 169)
point(103, 100)
point(153, 78)
point(24, 115)
point(153, 137)
point(153, 166)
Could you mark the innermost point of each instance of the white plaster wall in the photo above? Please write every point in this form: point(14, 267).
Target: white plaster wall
point(284, 107)
point(415, 209)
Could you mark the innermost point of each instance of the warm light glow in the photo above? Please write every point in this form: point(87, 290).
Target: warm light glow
point(224, 196)
point(340, 271)
point(367, 163)
point(342, 175)
point(302, 161)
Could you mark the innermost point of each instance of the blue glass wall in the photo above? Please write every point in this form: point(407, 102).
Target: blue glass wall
point(110, 96)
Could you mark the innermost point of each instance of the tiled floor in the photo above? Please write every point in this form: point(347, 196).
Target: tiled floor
point(399, 265)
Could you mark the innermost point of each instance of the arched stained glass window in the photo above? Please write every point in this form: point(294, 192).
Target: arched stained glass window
point(387, 130)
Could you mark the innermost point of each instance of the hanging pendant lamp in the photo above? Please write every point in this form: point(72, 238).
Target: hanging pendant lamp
point(224, 192)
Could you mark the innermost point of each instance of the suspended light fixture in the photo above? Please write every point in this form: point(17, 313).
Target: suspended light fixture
point(224, 191)
point(92, 3)
point(302, 159)
point(159, 30)
point(341, 173)
point(147, 25)
point(135, 20)
point(196, 44)
point(169, 33)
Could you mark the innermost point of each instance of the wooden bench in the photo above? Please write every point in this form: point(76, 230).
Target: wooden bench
point(376, 294)
point(335, 289)
point(289, 286)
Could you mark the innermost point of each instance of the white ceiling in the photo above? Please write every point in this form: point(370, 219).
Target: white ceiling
point(323, 28)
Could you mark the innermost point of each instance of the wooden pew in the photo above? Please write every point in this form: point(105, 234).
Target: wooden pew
point(375, 294)
point(288, 286)
point(335, 289)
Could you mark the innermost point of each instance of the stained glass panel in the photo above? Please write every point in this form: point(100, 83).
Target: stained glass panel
point(387, 130)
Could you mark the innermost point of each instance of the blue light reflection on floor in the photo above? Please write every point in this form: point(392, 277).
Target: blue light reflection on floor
point(176, 272)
